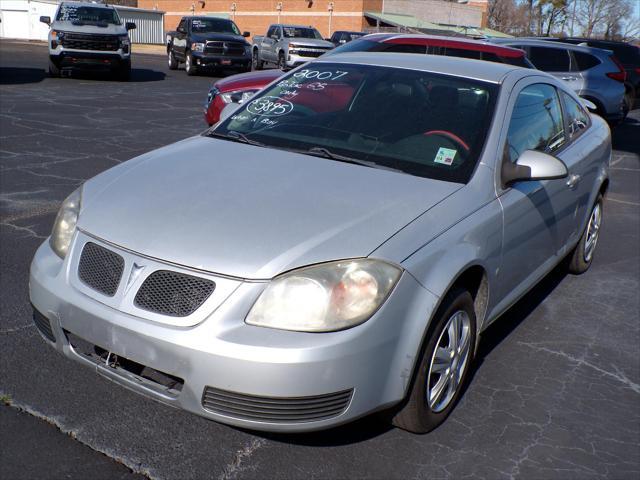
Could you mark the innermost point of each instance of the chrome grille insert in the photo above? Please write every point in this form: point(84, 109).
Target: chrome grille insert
point(172, 293)
point(100, 269)
point(275, 410)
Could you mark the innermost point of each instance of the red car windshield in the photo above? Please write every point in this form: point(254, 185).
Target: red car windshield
point(421, 123)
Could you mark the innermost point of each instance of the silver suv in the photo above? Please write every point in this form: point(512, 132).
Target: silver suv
point(592, 73)
point(89, 35)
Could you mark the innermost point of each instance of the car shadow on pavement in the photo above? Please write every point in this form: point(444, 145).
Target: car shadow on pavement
point(19, 75)
point(138, 75)
point(512, 318)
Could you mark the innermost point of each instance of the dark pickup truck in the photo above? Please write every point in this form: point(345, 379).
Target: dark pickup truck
point(208, 43)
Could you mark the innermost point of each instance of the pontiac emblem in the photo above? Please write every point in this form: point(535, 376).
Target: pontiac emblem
point(136, 270)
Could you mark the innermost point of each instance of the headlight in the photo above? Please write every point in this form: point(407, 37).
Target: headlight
point(237, 96)
point(124, 40)
point(324, 298)
point(65, 223)
point(197, 47)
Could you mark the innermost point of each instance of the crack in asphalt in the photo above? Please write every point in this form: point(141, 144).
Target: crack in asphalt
point(235, 466)
point(621, 377)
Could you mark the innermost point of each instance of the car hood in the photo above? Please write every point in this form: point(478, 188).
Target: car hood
point(67, 26)
point(311, 42)
point(250, 212)
point(221, 37)
point(257, 79)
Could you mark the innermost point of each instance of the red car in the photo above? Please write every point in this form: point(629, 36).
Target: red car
point(238, 88)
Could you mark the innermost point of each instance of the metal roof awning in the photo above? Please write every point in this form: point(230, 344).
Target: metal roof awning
point(409, 22)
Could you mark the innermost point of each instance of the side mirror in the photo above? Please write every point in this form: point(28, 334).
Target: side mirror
point(130, 26)
point(246, 34)
point(46, 20)
point(533, 165)
point(589, 104)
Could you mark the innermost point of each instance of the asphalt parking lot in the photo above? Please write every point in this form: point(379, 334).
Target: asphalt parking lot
point(556, 391)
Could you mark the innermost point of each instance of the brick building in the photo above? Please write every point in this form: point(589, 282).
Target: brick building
point(327, 16)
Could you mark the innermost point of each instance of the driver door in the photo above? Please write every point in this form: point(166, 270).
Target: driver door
point(539, 214)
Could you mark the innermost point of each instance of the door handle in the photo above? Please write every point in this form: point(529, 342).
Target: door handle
point(568, 79)
point(573, 180)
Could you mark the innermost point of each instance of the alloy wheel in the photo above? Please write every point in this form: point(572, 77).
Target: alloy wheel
point(449, 361)
point(593, 230)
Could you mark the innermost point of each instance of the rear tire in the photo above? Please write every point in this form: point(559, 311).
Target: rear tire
point(443, 366)
point(582, 255)
point(189, 67)
point(173, 63)
point(54, 71)
point(256, 63)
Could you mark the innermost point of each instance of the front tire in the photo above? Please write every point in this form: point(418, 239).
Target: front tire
point(123, 73)
point(282, 64)
point(189, 67)
point(582, 255)
point(173, 63)
point(443, 366)
point(54, 71)
point(256, 63)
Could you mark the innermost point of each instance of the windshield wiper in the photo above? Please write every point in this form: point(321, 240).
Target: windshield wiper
point(236, 137)
point(326, 153)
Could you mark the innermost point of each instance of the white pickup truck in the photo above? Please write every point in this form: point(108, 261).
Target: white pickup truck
point(288, 46)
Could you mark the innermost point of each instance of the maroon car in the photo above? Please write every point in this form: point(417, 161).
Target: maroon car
point(238, 88)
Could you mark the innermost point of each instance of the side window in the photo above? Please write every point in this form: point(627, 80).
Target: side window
point(271, 32)
point(585, 61)
point(577, 117)
point(460, 52)
point(550, 59)
point(536, 121)
point(397, 48)
point(182, 26)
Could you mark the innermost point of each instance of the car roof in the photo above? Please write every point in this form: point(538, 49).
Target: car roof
point(547, 44)
point(445, 41)
point(461, 67)
point(291, 25)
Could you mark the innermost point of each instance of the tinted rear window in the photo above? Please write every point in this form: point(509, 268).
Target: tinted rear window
point(585, 61)
point(550, 59)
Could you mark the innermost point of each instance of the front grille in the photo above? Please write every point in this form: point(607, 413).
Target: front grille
point(172, 293)
point(43, 325)
point(81, 41)
point(275, 410)
point(311, 53)
point(225, 48)
point(100, 269)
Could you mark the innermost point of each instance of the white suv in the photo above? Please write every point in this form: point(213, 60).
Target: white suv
point(89, 36)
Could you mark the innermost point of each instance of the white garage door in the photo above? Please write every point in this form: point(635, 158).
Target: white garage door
point(14, 24)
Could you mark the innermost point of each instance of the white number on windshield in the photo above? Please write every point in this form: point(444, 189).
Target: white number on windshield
point(308, 74)
point(270, 106)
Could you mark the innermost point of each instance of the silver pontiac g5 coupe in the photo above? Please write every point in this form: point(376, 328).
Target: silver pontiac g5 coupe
point(333, 247)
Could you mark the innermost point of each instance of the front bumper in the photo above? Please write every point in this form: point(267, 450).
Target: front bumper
point(207, 60)
point(367, 367)
point(89, 59)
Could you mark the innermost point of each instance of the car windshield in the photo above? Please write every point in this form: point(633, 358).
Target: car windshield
point(213, 25)
point(82, 14)
point(301, 32)
point(421, 123)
